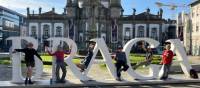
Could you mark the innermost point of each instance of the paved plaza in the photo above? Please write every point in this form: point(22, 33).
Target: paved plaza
point(101, 79)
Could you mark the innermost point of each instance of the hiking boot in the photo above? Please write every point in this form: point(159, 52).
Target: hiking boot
point(30, 82)
point(26, 81)
point(118, 79)
point(62, 81)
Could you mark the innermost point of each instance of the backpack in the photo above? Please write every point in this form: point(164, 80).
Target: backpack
point(193, 74)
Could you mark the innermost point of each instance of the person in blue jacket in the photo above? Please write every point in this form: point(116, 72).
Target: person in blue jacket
point(120, 58)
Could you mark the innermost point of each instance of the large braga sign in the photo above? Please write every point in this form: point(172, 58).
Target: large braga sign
point(177, 47)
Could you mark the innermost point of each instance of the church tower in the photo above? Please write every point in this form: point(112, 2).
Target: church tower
point(72, 8)
point(116, 8)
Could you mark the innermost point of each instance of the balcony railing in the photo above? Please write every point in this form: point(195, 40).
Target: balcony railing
point(139, 36)
point(154, 37)
point(34, 36)
point(46, 36)
point(58, 36)
point(127, 37)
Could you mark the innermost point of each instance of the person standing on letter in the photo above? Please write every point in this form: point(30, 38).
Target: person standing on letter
point(29, 60)
point(167, 58)
point(59, 54)
point(120, 58)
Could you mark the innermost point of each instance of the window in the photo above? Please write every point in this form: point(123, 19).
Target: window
point(46, 29)
point(154, 33)
point(58, 31)
point(33, 30)
point(1, 34)
point(141, 31)
point(197, 28)
point(9, 24)
point(103, 35)
point(81, 37)
point(192, 14)
point(127, 33)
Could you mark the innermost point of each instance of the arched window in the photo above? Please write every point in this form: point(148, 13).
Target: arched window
point(141, 31)
point(154, 33)
point(33, 30)
point(58, 31)
point(127, 33)
point(81, 37)
point(46, 30)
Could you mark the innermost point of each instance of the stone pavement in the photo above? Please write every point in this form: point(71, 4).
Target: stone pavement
point(100, 76)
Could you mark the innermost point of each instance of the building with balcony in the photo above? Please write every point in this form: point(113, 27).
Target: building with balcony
point(85, 19)
point(10, 24)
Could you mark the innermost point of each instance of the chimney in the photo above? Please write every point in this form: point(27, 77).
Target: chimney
point(65, 10)
point(40, 10)
point(53, 9)
point(134, 11)
point(28, 11)
point(148, 10)
point(33, 12)
point(161, 12)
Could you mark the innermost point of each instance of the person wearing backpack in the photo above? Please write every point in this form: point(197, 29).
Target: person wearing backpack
point(120, 58)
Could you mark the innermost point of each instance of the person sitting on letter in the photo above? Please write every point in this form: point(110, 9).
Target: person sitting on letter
point(148, 58)
point(120, 58)
point(84, 64)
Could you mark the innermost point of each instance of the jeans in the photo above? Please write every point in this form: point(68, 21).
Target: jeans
point(119, 68)
point(63, 68)
point(146, 63)
point(87, 61)
point(166, 71)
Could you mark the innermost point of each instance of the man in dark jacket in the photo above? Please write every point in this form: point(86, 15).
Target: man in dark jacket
point(121, 61)
point(29, 60)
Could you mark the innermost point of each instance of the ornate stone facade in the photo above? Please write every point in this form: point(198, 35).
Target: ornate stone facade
point(85, 19)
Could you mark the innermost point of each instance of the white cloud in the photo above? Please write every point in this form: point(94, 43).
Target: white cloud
point(21, 5)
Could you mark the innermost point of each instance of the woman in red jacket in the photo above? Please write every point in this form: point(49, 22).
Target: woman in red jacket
point(167, 58)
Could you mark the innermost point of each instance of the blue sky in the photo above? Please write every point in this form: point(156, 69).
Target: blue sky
point(140, 6)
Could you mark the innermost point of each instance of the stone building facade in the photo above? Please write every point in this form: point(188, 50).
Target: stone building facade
point(85, 19)
point(195, 17)
point(184, 30)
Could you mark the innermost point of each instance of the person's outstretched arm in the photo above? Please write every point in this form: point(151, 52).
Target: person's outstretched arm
point(48, 51)
point(38, 55)
point(19, 50)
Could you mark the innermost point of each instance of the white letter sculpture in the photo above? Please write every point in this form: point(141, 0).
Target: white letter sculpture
point(177, 47)
point(16, 59)
point(153, 68)
point(100, 44)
